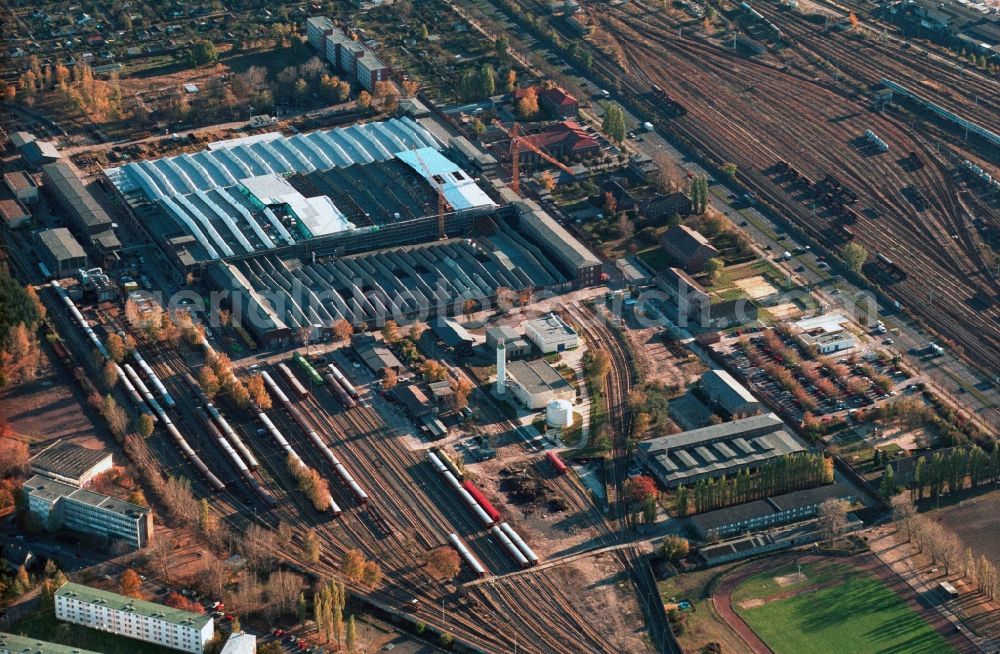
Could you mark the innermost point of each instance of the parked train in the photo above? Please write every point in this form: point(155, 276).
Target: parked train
point(301, 392)
point(345, 400)
point(213, 481)
point(154, 379)
point(448, 463)
point(466, 496)
point(556, 463)
point(296, 414)
point(308, 369)
point(342, 380)
point(223, 424)
point(481, 500)
point(466, 555)
point(528, 553)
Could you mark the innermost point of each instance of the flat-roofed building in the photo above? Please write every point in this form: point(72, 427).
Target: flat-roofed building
point(240, 643)
point(761, 514)
point(61, 506)
point(70, 463)
point(317, 28)
point(536, 383)
point(517, 345)
point(717, 450)
point(14, 644)
point(61, 253)
point(724, 391)
point(826, 333)
point(550, 333)
point(22, 185)
point(133, 618)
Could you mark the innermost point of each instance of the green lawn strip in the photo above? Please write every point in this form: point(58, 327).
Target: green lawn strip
point(860, 615)
point(43, 625)
point(655, 258)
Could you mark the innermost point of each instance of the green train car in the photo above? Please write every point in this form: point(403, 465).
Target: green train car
point(307, 368)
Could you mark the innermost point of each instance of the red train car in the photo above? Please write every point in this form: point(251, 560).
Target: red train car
point(556, 462)
point(481, 500)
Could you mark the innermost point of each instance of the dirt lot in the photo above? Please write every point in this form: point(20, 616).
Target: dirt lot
point(755, 287)
point(48, 408)
point(602, 592)
point(658, 363)
point(977, 522)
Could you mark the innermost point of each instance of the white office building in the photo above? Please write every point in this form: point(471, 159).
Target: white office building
point(132, 618)
point(61, 506)
point(551, 334)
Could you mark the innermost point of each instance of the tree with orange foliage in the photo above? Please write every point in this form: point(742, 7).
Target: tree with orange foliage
point(640, 487)
point(389, 379)
point(178, 601)
point(527, 106)
point(444, 563)
point(130, 584)
point(342, 330)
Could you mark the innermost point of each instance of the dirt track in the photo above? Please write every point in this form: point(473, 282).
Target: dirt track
point(722, 600)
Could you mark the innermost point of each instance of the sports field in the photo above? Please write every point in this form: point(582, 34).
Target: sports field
point(831, 608)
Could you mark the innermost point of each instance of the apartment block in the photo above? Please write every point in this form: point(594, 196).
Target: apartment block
point(132, 618)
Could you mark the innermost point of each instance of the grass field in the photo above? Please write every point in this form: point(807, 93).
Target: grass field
point(44, 626)
point(850, 612)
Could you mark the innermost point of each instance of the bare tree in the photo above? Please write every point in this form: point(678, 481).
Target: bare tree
point(833, 518)
point(282, 590)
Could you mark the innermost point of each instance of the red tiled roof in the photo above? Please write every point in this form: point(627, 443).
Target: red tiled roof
point(568, 131)
point(559, 97)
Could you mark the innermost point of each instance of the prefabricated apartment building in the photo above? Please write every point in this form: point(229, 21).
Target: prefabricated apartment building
point(347, 55)
point(306, 230)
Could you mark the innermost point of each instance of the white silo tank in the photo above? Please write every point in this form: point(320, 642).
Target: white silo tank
point(559, 414)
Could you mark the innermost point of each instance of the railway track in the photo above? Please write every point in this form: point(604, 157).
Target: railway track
point(716, 86)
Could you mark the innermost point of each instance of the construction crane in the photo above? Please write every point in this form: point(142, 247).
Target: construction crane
point(442, 202)
point(516, 141)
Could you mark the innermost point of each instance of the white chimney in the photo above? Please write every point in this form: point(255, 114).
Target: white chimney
point(501, 367)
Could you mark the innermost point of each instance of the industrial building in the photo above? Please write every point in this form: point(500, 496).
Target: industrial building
point(58, 506)
point(70, 463)
point(518, 347)
point(37, 153)
point(347, 55)
point(453, 336)
point(276, 297)
point(826, 333)
point(133, 618)
point(690, 298)
point(536, 383)
point(375, 354)
point(761, 514)
point(271, 192)
point(14, 644)
point(88, 218)
point(22, 185)
point(724, 391)
point(565, 140)
point(60, 252)
point(687, 248)
point(550, 333)
point(13, 213)
point(717, 450)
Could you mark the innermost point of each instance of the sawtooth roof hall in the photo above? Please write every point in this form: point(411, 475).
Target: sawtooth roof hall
point(233, 197)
